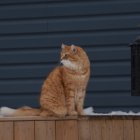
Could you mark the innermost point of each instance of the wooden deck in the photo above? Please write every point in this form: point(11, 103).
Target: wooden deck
point(71, 128)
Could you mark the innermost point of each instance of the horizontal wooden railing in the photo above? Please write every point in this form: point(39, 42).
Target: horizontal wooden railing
point(70, 128)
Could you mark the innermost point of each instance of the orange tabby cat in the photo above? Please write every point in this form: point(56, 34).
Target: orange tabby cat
point(63, 92)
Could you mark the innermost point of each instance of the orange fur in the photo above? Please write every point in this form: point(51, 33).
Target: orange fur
point(63, 92)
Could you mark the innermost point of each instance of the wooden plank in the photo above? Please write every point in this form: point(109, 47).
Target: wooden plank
point(98, 129)
point(108, 123)
point(137, 129)
point(95, 129)
point(117, 129)
point(104, 130)
point(128, 130)
point(44, 130)
point(84, 130)
point(24, 130)
point(113, 129)
point(66, 130)
point(6, 131)
point(37, 118)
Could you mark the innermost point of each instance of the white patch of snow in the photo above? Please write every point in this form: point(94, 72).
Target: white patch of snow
point(90, 111)
point(6, 111)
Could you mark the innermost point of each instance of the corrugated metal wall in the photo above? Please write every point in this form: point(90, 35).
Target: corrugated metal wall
point(31, 33)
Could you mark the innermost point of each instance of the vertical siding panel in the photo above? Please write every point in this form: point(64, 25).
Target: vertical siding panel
point(45, 130)
point(24, 130)
point(117, 129)
point(108, 129)
point(66, 130)
point(104, 130)
point(6, 130)
point(84, 130)
point(128, 130)
point(114, 129)
point(137, 129)
point(98, 129)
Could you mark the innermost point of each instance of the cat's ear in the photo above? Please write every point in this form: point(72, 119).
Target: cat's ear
point(73, 49)
point(62, 46)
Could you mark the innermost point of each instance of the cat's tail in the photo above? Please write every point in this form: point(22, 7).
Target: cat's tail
point(23, 111)
point(28, 111)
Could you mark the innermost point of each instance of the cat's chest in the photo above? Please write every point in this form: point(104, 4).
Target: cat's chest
point(76, 80)
point(80, 77)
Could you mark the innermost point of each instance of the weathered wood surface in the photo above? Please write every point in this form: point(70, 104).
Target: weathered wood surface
point(6, 130)
point(24, 130)
point(70, 128)
point(45, 130)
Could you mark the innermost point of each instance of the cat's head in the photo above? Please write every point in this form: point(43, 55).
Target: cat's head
point(74, 57)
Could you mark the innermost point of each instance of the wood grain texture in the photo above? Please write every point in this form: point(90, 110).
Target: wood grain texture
point(70, 128)
point(108, 129)
point(45, 130)
point(117, 129)
point(98, 129)
point(6, 130)
point(24, 130)
point(84, 130)
point(128, 130)
point(137, 129)
point(66, 130)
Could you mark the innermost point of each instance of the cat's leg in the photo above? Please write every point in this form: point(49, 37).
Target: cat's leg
point(53, 110)
point(80, 102)
point(70, 103)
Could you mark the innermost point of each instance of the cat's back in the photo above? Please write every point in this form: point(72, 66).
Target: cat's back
point(55, 76)
point(54, 81)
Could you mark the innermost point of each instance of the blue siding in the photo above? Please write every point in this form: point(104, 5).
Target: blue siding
point(31, 33)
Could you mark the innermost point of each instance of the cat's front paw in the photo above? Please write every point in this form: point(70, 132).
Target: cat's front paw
point(72, 113)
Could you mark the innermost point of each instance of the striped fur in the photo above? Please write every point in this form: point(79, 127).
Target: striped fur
point(63, 92)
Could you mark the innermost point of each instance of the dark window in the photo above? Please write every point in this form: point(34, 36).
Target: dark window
point(135, 67)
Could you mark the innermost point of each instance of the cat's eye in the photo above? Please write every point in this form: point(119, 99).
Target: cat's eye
point(66, 55)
